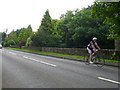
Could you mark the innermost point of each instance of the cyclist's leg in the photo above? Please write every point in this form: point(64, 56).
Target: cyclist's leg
point(90, 54)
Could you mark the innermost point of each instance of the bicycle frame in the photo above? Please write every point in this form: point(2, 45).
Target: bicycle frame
point(96, 59)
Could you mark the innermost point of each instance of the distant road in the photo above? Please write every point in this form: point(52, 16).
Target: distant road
point(25, 70)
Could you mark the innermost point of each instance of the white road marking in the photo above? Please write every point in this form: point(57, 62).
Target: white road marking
point(12, 53)
point(40, 61)
point(105, 79)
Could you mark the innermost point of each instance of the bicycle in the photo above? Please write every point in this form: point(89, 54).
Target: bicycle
point(96, 59)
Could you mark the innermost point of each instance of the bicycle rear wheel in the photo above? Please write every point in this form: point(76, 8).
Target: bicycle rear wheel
point(99, 62)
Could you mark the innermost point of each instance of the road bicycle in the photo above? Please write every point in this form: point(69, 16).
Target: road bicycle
point(96, 59)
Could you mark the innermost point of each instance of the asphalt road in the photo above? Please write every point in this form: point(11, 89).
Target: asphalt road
point(25, 70)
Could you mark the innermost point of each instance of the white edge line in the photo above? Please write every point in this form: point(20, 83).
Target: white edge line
point(12, 53)
point(105, 79)
point(40, 61)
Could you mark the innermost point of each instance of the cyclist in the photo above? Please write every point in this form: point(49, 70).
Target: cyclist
point(92, 48)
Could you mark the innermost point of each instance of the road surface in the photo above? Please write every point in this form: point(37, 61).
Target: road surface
point(25, 70)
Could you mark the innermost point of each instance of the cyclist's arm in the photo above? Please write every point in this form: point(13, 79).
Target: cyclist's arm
point(98, 47)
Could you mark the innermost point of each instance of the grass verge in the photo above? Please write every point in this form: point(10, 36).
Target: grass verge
point(57, 54)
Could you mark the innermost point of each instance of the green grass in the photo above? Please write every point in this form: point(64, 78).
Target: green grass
point(106, 60)
point(47, 53)
point(39, 52)
point(61, 54)
point(18, 49)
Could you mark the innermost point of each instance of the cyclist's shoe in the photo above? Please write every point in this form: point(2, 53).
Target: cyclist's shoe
point(91, 62)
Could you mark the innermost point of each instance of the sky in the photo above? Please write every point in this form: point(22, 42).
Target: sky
point(16, 14)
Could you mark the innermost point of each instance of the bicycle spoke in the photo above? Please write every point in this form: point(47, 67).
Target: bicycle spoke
point(99, 62)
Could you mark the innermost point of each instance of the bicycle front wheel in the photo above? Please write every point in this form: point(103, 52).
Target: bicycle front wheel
point(99, 62)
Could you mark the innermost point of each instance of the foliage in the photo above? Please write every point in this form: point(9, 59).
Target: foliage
point(43, 39)
point(110, 11)
point(8, 43)
point(3, 36)
point(29, 41)
point(12, 37)
point(17, 36)
point(11, 42)
point(46, 23)
point(74, 29)
point(22, 43)
point(25, 33)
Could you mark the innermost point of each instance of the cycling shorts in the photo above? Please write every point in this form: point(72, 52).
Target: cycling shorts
point(90, 50)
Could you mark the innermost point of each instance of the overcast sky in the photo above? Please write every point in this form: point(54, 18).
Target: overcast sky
point(16, 14)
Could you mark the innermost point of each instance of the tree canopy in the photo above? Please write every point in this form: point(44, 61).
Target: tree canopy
point(111, 12)
point(74, 29)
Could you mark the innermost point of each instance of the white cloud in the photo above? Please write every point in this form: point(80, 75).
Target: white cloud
point(16, 14)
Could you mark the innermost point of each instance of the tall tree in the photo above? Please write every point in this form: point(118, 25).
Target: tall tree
point(20, 37)
point(111, 12)
point(25, 33)
point(69, 30)
point(46, 23)
point(86, 27)
point(3, 35)
point(18, 32)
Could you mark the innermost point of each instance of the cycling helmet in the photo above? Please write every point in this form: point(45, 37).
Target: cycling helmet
point(94, 38)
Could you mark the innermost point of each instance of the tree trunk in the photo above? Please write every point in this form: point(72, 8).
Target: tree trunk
point(117, 45)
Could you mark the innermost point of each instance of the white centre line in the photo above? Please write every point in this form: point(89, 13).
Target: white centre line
point(105, 79)
point(40, 61)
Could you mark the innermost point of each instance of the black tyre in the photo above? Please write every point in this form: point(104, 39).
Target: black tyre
point(99, 62)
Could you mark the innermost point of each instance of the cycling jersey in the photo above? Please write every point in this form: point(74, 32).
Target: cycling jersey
point(90, 48)
point(92, 43)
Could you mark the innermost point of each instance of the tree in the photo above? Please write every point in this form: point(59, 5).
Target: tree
point(87, 27)
point(55, 33)
point(12, 37)
point(11, 42)
point(22, 43)
point(110, 11)
point(25, 33)
point(18, 32)
point(73, 29)
point(40, 39)
point(20, 37)
point(28, 42)
point(3, 36)
point(61, 32)
point(64, 29)
point(46, 23)
point(46, 34)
